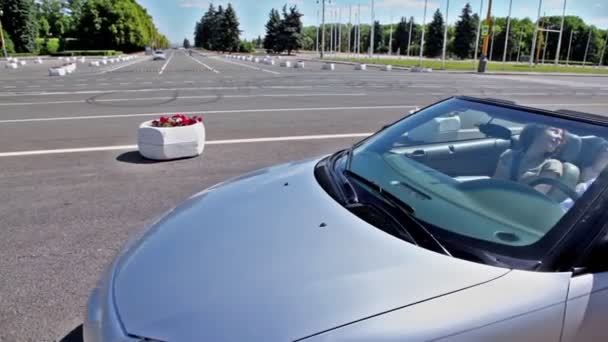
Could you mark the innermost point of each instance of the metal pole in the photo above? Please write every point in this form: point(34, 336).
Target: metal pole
point(317, 38)
point(359, 30)
point(561, 32)
point(603, 50)
point(504, 53)
point(371, 37)
point(545, 46)
point(323, 30)
point(331, 28)
point(390, 38)
point(492, 45)
point(350, 20)
point(569, 47)
point(587, 48)
point(422, 36)
point(521, 35)
point(478, 30)
point(2, 37)
point(445, 34)
point(339, 30)
point(540, 5)
point(486, 40)
point(409, 39)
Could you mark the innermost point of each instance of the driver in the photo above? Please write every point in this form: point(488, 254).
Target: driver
point(534, 158)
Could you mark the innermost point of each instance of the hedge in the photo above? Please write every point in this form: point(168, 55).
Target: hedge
point(87, 53)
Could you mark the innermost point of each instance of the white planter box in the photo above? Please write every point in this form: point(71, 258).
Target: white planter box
point(299, 65)
point(57, 72)
point(94, 63)
point(165, 143)
point(286, 64)
point(360, 67)
point(329, 66)
point(387, 68)
point(12, 65)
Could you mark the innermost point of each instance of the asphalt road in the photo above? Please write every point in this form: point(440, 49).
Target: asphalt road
point(73, 188)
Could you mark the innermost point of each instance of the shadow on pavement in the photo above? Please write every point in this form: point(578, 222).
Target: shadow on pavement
point(73, 336)
point(134, 157)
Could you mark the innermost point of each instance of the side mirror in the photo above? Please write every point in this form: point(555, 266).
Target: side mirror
point(597, 260)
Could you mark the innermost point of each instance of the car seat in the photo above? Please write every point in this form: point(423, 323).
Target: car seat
point(569, 155)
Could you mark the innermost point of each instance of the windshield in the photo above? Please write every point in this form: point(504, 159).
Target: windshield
point(484, 172)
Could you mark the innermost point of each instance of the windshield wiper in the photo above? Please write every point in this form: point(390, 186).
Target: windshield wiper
point(421, 235)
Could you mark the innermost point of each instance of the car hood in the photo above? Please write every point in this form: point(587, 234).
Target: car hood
point(271, 256)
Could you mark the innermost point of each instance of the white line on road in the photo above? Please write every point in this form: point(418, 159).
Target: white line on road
point(205, 65)
point(166, 63)
point(182, 98)
point(247, 66)
point(211, 142)
point(120, 67)
point(269, 110)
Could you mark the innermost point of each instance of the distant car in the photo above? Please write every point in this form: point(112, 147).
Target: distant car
point(159, 55)
point(409, 235)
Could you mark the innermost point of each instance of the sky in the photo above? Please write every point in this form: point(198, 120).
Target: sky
point(176, 18)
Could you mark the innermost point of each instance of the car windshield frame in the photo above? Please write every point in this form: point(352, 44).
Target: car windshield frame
point(544, 245)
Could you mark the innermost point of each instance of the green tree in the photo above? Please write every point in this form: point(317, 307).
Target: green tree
point(378, 44)
point(273, 28)
point(20, 22)
point(290, 37)
point(400, 36)
point(186, 43)
point(229, 30)
point(434, 39)
point(465, 34)
point(215, 34)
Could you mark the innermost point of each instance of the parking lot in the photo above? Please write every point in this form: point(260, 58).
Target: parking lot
point(73, 187)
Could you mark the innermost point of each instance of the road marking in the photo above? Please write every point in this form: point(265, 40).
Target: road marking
point(270, 110)
point(182, 97)
point(247, 66)
point(205, 65)
point(166, 63)
point(211, 142)
point(121, 66)
point(145, 90)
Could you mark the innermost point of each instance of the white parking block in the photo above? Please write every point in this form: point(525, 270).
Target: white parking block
point(361, 67)
point(286, 64)
point(94, 63)
point(12, 65)
point(329, 66)
point(299, 65)
point(104, 61)
point(22, 63)
point(256, 60)
point(387, 68)
point(38, 60)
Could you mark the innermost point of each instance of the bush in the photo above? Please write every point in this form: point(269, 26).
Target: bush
point(10, 47)
point(246, 47)
point(47, 46)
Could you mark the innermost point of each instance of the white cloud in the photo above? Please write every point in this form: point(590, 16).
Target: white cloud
point(598, 5)
point(405, 4)
point(600, 22)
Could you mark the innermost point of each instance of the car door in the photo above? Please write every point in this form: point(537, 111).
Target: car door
point(586, 316)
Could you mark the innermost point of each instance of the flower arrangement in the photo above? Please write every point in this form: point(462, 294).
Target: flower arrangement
point(176, 120)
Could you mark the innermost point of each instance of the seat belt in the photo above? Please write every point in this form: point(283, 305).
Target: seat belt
point(517, 157)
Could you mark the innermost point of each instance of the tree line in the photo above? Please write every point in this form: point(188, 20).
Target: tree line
point(462, 36)
point(218, 30)
point(32, 26)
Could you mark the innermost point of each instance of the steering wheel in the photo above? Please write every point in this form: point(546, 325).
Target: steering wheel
point(556, 183)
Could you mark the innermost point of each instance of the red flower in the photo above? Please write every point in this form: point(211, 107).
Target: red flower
point(176, 120)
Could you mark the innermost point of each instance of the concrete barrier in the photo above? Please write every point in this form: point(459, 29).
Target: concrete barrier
point(104, 62)
point(94, 63)
point(387, 68)
point(299, 65)
point(286, 64)
point(256, 60)
point(22, 63)
point(329, 66)
point(58, 71)
point(420, 69)
point(38, 60)
point(11, 65)
point(361, 67)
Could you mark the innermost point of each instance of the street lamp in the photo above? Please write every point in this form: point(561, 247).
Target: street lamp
point(2, 36)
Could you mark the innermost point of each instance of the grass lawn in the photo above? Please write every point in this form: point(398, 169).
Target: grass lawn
point(470, 65)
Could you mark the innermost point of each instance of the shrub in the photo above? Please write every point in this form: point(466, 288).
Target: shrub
point(246, 47)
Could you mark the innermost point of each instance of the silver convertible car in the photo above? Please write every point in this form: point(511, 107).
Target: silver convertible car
point(470, 220)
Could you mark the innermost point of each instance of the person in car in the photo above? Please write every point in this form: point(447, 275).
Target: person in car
point(534, 158)
point(599, 151)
